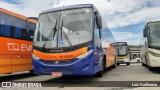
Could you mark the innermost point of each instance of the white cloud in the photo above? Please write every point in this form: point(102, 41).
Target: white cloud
point(117, 13)
point(142, 15)
point(28, 7)
point(120, 13)
point(131, 38)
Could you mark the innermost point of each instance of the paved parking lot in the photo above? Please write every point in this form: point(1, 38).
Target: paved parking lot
point(133, 72)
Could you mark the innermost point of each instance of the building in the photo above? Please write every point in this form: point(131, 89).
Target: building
point(134, 52)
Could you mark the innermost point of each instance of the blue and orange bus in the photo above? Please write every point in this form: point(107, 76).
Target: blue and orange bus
point(72, 40)
point(16, 42)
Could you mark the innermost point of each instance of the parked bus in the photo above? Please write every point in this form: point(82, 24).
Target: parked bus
point(72, 40)
point(123, 55)
point(150, 45)
point(16, 42)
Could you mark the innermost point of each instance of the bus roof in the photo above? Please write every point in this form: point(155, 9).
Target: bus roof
point(153, 20)
point(15, 14)
point(67, 8)
point(122, 43)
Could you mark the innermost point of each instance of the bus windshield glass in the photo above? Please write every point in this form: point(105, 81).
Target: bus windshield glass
point(122, 50)
point(154, 29)
point(64, 28)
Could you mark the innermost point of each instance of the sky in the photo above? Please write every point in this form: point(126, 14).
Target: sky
point(125, 18)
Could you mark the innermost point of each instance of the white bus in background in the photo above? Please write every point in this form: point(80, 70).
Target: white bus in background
point(150, 45)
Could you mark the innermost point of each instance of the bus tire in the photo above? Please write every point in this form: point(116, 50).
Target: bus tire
point(31, 72)
point(114, 66)
point(117, 64)
point(143, 64)
point(150, 68)
point(100, 73)
point(128, 63)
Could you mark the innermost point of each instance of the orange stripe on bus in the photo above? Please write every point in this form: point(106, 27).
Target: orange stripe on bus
point(15, 57)
point(15, 14)
point(5, 65)
point(13, 65)
point(25, 64)
point(60, 56)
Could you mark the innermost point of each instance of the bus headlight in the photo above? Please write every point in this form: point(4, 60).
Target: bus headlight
point(35, 57)
point(85, 54)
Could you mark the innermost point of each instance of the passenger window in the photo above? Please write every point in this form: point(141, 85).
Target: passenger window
point(4, 26)
point(12, 31)
point(5, 30)
point(18, 32)
point(24, 34)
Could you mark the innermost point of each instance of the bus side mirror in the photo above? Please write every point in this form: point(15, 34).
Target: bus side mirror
point(144, 33)
point(31, 19)
point(98, 21)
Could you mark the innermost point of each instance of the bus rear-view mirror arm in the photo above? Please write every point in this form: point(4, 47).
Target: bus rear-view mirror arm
point(98, 21)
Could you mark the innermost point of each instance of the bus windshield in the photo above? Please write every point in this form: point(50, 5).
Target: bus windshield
point(122, 50)
point(154, 29)
point(64, 28)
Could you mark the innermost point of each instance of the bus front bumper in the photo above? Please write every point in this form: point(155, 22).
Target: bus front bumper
point(123, 61)
point(67, 68)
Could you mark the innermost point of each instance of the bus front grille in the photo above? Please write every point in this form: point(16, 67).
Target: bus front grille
point(57, 62)
point(58, 69)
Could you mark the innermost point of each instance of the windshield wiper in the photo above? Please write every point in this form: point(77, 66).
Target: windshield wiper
point(65, 35)
point(54, 30)
point(120, 47)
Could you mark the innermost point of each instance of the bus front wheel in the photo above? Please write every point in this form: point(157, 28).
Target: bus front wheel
point(143, 64)
point(117, 64)
point(100, 73)
point(114, 66)
point(150, 68)
point(31, 72)
point(128, 63)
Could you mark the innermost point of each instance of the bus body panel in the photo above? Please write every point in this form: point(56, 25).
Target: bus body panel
point(21, 63)
point(110, 56)
point(75, 68)
point(154, 57)
point(123, 59)
point(107, 41)
point(16, 45)
point(17, 53)
point(143, 50)
point(5, 64)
